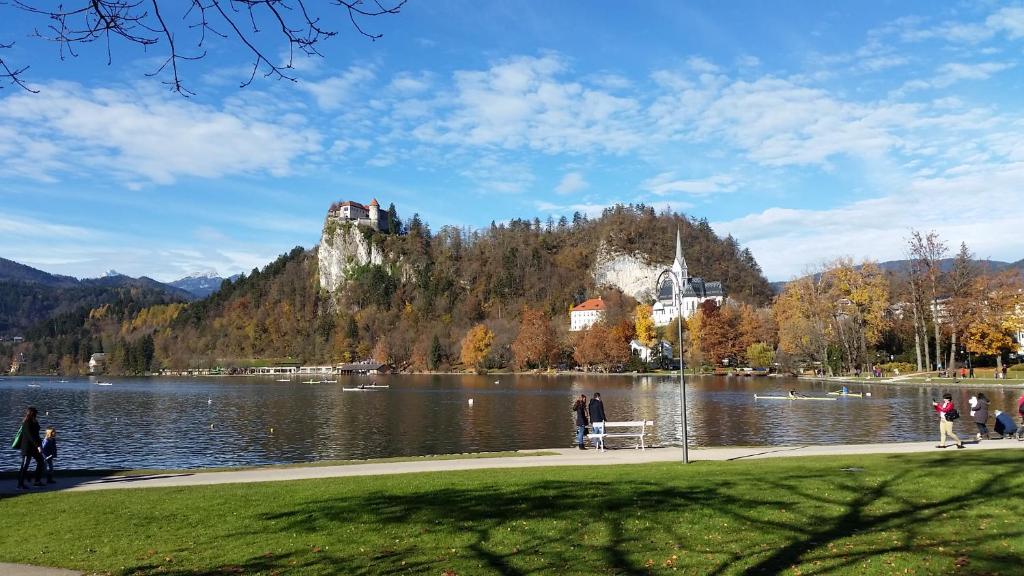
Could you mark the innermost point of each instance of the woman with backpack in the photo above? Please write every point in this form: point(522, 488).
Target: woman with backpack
point(947, 414)
point(31, 446)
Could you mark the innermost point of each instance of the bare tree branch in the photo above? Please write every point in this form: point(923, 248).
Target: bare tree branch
point(141, 22)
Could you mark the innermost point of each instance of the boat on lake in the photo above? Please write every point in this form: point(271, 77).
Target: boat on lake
point(756, 397)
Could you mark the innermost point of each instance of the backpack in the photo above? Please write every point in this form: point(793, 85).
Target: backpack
point(952, 415)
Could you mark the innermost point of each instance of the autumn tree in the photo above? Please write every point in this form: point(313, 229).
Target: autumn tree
point(535, 343)
point(999, 315)
point(476, 346)
point(760, 355)
point(803, 312)
point(859, 298)
point(963, 300)
point(591, 346)
point(927, 252)
point(644, 325)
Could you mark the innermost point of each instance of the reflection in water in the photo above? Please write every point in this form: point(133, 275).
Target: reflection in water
point(180, 423)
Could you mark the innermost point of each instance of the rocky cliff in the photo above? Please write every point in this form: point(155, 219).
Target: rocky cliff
point(344, 246)
point(630, 273)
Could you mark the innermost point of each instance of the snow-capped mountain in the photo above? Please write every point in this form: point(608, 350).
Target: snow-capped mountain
point(199, 284)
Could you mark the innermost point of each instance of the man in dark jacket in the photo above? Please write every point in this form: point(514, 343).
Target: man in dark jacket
point(597, 418)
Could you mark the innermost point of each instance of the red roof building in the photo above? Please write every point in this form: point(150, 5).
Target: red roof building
point(586, 314)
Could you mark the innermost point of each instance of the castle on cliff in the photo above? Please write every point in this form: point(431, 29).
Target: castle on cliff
point(351, 211)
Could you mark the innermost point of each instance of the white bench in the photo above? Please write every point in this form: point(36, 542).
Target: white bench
point(631, 429)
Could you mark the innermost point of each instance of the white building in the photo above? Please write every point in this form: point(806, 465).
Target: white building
point(96, 362)
point(586, 314)
point(693, 291)
point(369, 215)
point(647, 354)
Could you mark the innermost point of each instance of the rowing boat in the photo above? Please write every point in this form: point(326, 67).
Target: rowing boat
point(756, 397)
point(857, 394)
point(365, 389)
point(311, 382)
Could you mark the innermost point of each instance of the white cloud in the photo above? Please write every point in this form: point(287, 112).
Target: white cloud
point(141, 136)
point(748, 61)
point(337, 91)
point(406, 83)
point(498, 174)
point(590, 209)
point(1008, 21)
point(702, 65)
point(521, 103)
point(22, 226)
point(571, 183)
point(786, 241)
point(668, 183)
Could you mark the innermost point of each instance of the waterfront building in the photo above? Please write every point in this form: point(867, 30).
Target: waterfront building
point(661, 349)
point(586, 314)
point(96, 362)
point(693, 291)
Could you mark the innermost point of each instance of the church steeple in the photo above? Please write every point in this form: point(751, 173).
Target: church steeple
point(679, 266)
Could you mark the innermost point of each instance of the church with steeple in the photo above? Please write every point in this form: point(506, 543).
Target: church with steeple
point(692, 291)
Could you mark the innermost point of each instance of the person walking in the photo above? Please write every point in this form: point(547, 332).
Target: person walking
point(31, 448)
point(597, 418)
point(1020, 408)
point(947, 413)
point(49, 450)
point(980, 414)
point(580, 409)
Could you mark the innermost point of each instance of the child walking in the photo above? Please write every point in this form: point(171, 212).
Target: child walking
point(50, 453)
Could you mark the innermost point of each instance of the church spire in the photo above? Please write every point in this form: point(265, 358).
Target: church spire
point(679, 266)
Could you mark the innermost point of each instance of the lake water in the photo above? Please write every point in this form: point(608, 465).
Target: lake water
point(190, 422)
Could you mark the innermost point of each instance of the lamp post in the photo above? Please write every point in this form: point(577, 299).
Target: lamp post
point(677, 301)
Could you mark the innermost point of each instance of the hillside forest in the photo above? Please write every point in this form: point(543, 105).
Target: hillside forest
point(499, 298)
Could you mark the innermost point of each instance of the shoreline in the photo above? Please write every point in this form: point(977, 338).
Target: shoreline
point(889, 381)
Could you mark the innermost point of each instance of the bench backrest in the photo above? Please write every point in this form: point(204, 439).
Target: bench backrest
point(630, 424)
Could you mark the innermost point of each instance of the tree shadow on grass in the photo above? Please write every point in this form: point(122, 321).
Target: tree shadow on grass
point(631, 526)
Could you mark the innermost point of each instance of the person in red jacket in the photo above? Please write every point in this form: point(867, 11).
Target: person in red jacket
point(1020, 407)
point(945, 424)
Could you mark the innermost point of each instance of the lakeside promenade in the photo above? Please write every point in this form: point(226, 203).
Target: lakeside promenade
point(553, 457)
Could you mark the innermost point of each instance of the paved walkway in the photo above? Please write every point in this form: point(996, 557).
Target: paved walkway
point(562, 457)
point(23, 570)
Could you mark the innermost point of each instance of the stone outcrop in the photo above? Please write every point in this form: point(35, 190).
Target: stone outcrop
point(630, 273)
point(344, 246)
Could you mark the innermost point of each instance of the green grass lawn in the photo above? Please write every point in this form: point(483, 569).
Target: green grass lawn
point(938, 513)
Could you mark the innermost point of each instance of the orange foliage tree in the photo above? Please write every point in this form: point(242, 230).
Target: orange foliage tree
point(535, 344)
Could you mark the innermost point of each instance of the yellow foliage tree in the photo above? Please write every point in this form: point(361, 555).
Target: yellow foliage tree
point(476, 346)
point(999, 315)
point(644, 325)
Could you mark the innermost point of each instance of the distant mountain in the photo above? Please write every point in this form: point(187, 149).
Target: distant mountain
point(946, 264)
point(29, 296)
point(11, 270)
point(200, 284)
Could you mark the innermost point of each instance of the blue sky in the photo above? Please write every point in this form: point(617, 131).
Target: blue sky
point(807, 132)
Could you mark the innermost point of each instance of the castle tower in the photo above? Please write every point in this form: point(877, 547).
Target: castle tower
point(374, 209)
